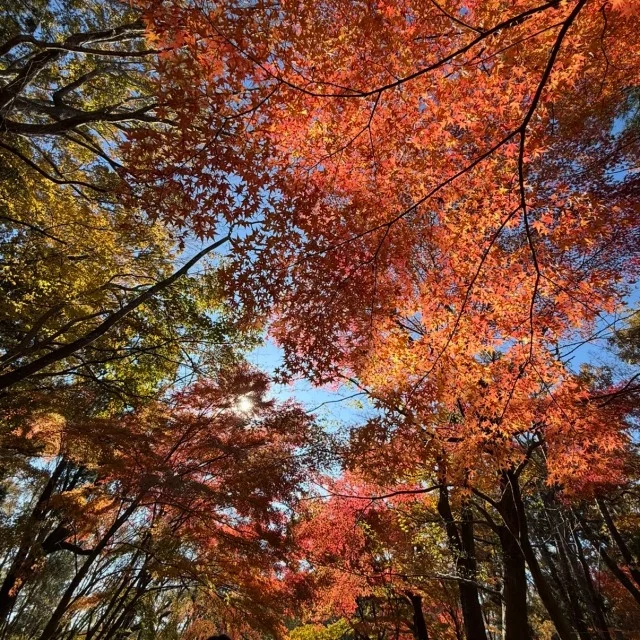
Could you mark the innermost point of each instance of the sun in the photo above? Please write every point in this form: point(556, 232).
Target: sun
point(245, 404)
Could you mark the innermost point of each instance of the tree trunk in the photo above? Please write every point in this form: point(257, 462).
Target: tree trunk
point(121, 625)
point(419, 623)
point(595, 598)
point(612, 565)
point(51, 628)
point(517, 524)
point(625, 552)
point(469, 593)
point(126, 585)
point(574, 588)
point(462, 546)
point(514, 589)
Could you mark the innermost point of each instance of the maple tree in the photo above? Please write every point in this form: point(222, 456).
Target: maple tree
point(377, 560)
point(186, 496)
point(467, 265)
point(446, 199)
point(435, 202)
point(444, 203)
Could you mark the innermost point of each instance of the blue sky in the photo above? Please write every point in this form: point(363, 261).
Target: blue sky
point(331, 405)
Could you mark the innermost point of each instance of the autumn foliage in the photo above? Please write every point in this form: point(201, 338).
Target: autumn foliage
point(430, 203)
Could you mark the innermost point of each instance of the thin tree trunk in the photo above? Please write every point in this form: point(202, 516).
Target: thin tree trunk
point(612, 565)
point(595, 598)
point(51, 628)
point(126, 617)
point(126, 584)
point(469, 593)
point(559, 582)
point(514, 589)
point(573, 588)
point(625, 552)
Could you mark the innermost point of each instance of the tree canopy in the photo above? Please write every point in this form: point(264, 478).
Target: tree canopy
point(432, 205)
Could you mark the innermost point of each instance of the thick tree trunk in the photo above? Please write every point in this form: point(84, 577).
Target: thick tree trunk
point(514, 589)
point(469, 593)
point(419, 623)
point(516, 522)
point(515, 619)
point(462, 546)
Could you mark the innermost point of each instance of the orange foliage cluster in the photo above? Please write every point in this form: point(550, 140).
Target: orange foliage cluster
point(427, 197)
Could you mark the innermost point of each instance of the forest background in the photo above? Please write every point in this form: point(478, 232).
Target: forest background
point(318, 319)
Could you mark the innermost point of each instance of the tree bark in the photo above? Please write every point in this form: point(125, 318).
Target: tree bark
point(516, 522)
point(514, 589)
point(462, 546)
point(419, 623)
